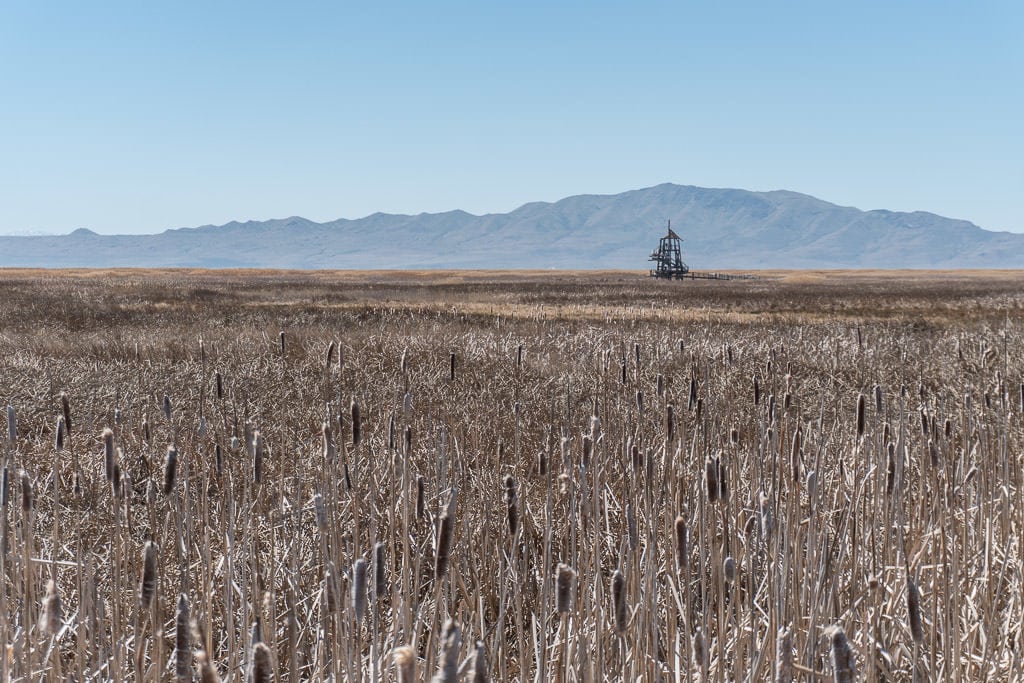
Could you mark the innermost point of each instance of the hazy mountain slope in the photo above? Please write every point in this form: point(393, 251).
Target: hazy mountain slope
point(721, 228)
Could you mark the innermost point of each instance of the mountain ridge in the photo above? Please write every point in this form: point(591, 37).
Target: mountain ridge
point(721, 228)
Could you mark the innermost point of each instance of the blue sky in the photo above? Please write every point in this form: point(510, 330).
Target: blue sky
point(136, 117)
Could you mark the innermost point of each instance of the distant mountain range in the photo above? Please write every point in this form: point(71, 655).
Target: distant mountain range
point(720, 228)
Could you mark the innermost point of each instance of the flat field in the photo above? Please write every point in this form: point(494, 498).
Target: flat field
point(520, 475)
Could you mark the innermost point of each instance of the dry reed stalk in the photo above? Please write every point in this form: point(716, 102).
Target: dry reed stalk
point(257, 457)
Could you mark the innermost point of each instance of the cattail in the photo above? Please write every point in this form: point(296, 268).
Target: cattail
point(148, 586)
point(65, 408)
point(420, 497)
point(682, 554)
point(914, 611)
point(1022, 397)
point(446, 529)
point(281, 337)
point(58, 437)
point(723, 482)
point(639, 401)
point(380, 575)
point(924, 423)
point(729, 569)
point(320, 512)
point(260, 668)
point(512, 505)
point(182, 644)
point(619, 602)
point(711, 478)
point(26, 492)
point(692, 403)
point(670, 423)
point(451, 366)
point(765, 505)
point(519, 356)
point(207, 673)
point(359, 589)
point(5, 487)
point(407, 440)
point(108, 453)
point(329, 356)
point(700, 654)
point(480, 664)
point(218, 460)
point(219, 382)
point(757, 392)
point(12, 425)
point(147, 435)
point(257, 457)
point(167, 407)
point(357, 427)
point(391, 433)
point(404, 658)
point(878, 398)
point(330, 453)
point(53, 610)
point(659, 385)
point(890, 481)
point(795, 454)
point(448, 662)
point(843, 670)
point(784, 656)
point(623, 376)
point(170, 470)
point(565, 579)
point(860, 415)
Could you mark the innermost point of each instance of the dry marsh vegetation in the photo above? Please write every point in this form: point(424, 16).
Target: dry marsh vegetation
point(484, 476)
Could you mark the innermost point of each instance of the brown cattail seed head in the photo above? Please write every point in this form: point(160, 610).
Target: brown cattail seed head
point(260, 668)
point(512, 505)
point(108, 453)
point(53, 609)
point(446, 528)
point(404, 658)
point(711, 478)
point(480, 663)
point(729, 569)
point(784, 656)
point(682, 553)
point(170, 470)
point(219, 381)
point(420, 497)
point(860, 415)
point(167, 407)
point(26, 492)
point(357, 429)
point(619, 608)
point(58, 437)
point(565, 580)
point(380, 573)
point(914, 611)
point(148, 586)
point(843, 670)
point(182, 644)
point(207, 673)
point(359, 589)
point(700, 654)
point(65, 408)
point(448, 662)
point(257, 457)
point(330, 453)
point(12, 425)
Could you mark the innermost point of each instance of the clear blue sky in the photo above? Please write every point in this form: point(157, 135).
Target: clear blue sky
point(136, 117)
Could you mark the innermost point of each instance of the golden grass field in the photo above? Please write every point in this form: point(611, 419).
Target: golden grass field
point(488, 475)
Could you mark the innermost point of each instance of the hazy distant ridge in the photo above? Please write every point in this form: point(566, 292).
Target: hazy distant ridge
point(721, 228)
